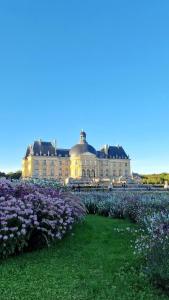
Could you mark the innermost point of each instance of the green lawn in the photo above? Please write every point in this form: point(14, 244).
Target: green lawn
point(95, 262)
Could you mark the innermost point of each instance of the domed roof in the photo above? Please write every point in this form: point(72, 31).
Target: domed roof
point(82, 147)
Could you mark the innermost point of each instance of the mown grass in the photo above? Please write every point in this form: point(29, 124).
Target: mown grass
point(95, 262)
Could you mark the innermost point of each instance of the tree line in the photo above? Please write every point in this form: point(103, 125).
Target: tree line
point(155, 178)
point(11, 175)
point(146, 179)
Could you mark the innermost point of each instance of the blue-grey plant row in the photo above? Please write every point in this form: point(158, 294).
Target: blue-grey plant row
point(150, 210)
point(32, 215)
point(50, 183)
point(123, 204)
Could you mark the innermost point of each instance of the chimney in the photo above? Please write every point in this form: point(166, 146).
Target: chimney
point(106, 148)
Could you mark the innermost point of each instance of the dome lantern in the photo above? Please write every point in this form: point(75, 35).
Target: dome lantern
point(82, 137)
point(82, 147)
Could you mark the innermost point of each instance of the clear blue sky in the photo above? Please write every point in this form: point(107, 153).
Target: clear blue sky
point(98, 65)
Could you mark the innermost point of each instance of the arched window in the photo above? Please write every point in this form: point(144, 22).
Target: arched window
point(88, 173)
point(83, 173)
point(93, 173)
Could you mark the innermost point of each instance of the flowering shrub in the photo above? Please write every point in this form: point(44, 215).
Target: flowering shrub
point(153, 245)
point(31, 215)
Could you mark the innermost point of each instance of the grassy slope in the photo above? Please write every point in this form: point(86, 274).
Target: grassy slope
point(94, 263)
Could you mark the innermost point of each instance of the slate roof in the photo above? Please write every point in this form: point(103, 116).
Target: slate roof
point(116, 152)
point(62, 152)
point(41, 148)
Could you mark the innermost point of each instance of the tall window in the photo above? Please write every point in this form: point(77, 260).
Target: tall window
point(44, 162)
point(52, 163)
point(66, 172)
point(88, 173)
point(83, 173)
point(36, 164)
point(44, 168)
point(93, 173)
point(126, 172)
point(44, 173)
point(52, 172)
point(36, 173)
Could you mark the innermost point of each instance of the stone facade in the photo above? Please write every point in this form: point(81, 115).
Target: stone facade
point(45, 160)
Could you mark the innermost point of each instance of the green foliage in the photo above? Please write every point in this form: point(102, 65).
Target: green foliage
point(2, 174)
point(95, 262)
point(11, 175)
point(155, 178)
point(14, 175)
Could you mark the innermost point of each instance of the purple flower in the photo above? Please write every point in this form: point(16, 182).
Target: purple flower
point(27, 208)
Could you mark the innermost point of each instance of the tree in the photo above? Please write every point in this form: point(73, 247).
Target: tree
point(2, 174)
point(14, 175)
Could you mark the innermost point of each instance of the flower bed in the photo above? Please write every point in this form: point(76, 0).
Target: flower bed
point(125, 204)
point(151, 211)
point(33, 215)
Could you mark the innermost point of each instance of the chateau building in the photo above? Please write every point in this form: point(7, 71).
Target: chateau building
point(81, 162)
